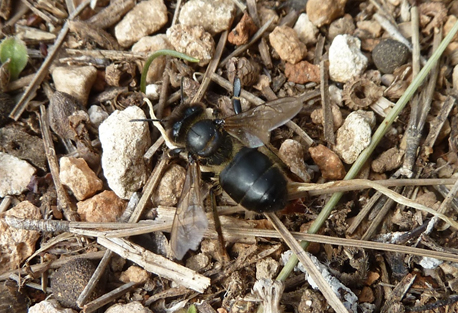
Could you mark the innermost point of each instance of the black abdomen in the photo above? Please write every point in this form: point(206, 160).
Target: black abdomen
point(252, 180)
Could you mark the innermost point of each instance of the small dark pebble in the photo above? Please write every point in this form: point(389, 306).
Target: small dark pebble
point(389, 55)
point(71, 279)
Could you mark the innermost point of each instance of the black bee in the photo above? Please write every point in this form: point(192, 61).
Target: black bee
point(229, 148)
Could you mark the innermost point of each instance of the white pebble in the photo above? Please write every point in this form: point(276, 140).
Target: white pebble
point(144, 19)
point(15, 175)
point(97, 115)
point(345, 58)
point(354, 135)
point(305, 29)
point(124, 144)
point(214, 16)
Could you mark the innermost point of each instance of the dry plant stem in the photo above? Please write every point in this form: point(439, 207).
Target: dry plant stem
point(328, 120)
point(111, 14)
point(108, 297)
point(242, 48)
point(415, 20)
point(21, 9)
point(378, 135)
point(436, 126)
point(5, 204)
point(43, 71)
point(148, 190)
point(92, 283)
point(211, 68)
point(164, 92)
point(105, 54)
point(304, 258)
point(168, 293)
point(445, 205)
point(165, 224)
point(20, 83)
point(63, 201)
point(47, 18)
point(175, 14)
point(52, 264)
point(157, 264)
point(152, 150)
point(371, 230)
point(444, 192)
point(420, 109)
point(398, 292)
point(262, 46)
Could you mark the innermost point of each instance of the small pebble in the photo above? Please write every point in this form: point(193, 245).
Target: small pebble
point(97, 115)
point(306, 31)
point(330, 165)
point(287, 44)
point(214, 16)
point(267, 268)
point(302, 72)
point(265, 14)
point(243, 31)
point(133, 307)
point(103, 207)
point(150, 45)
point(15, 175)
point(170, 186)
point(317, 116)
point(75, 81)
point(389, 160)
point(292, 154)
point(49, 306)
point(16, 245)
point(341, 26)
point(144, 19)
point(76, 175)
point(123, 145)
point(193, 41)
point(354, 135)
point(345, 58)
point(69, 281)
point(389, 55)
point(323, 12)
point(371, 27)
point(134, 274)
point(198, 262)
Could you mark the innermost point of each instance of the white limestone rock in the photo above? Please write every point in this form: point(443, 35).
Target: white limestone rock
point(77, 81)
point(132, 307)
point(144, 19)
point(193, 41)
point(15, 175)
point(354, 135)
point(97, 115)
point(306, 31)
point(214, 16)
point(345, 58)
point(124, 144)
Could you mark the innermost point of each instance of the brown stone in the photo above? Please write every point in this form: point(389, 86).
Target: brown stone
point(104, 207)
point(302, 72)
point(329, 163)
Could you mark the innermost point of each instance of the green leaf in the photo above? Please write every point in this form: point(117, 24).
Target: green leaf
point(192, 309)
point(15, 50)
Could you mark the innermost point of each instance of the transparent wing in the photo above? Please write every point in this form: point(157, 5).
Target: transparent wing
point(253, 127)
point(190, 222)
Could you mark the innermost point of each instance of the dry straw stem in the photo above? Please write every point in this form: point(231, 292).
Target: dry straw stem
point(157, 264)
point(378, 135)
